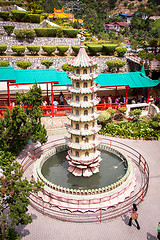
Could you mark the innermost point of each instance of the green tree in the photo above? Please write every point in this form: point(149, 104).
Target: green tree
point(115, 65)
point(14, 194)
point(23, 123)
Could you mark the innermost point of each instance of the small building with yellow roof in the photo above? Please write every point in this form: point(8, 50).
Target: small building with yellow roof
point(61, 14)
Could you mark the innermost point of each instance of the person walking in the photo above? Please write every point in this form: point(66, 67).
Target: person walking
point(134, 216)
point(158, 231)
point(61, 98)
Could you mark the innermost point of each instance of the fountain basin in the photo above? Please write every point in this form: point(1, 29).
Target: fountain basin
point(84, 198)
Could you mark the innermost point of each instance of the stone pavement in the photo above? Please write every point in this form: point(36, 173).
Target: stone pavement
point(47, 228)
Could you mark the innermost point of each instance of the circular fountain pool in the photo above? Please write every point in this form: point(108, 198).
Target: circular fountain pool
point(112, 169)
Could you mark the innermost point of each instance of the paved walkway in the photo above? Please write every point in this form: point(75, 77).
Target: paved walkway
point(45, 228)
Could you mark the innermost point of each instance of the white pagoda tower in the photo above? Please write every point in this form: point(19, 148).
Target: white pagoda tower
point(83, 156)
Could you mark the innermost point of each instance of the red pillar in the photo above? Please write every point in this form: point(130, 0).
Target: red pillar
point(47, 95)
point(149, 90)
point(52, 107)
point(126, 96)
point(9, 99)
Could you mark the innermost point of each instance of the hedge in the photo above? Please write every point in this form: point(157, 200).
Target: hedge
point(4, 15)
point(35, 18)
point(18, 49)
point(121, 51)
point(47, 63)
point(76, 48)
point(49, 49)
point(109, 49)
point(24, 33)
point(70, 33)
point(3, 48)
point(6, 3)
point(94, 48)
point(4, 63)
point(62, 49)
point(19, 16)
point(24, 64)
point(34, 49)
point(46, 32)
point(9, 29)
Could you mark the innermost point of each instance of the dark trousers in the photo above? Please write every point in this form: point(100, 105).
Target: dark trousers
point(130, 223)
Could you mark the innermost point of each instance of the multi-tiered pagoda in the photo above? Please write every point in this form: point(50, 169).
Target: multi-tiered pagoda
point(83, 156)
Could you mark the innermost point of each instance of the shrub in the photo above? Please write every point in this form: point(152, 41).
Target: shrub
point(9, 29)
point(49, 49)
point(4, 15)
point(46, 32)
point(24, 64)
point(59, 32)
point(158, 57)
point(121, 51)
point(135, 114)
point(104, 116)
point(109, 49)
point(6, 3)
point(122, 109)
point(70, 33)
point(24, 33)
point(34, 49)
point(155, 125)
point(62, 49)
point(47, 63)
point(35, 18)
point(4, 63)
point(18, 49)
point(115, 64)
point(19, 16)
point(67, 68)
point(3, 48)
point(76, 48)
point(111, 111)
point(94, 48)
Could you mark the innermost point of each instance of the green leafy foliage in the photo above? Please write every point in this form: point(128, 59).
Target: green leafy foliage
point(136, 130)
point(3, 48)
point(23, 123)
point(19, 16)
point(70, 33)
point(122, 109)
point(24, 64)
point(121, 51)
point(157, 57)
point(46, 32)
point(4, 15)
point(35, 18)
point(62, 49)
point(135, 114)
point(109, 49)
point(67, 68)
point(24, 33)
point(94, 48)
point(47, 63)
point(104, 116)
point(14, 194)
point(76, 48)
point(18, 49)
point(49, 49)
point(115, 65)
point(9, 29)
point(4, 63)
point(34, 49)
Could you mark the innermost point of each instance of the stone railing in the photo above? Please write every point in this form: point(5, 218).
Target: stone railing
point(153, 110)
point(130, 107)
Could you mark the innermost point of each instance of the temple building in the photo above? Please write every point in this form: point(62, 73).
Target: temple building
point(83, 156)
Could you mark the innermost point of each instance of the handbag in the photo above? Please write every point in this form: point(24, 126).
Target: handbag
point(134, 215)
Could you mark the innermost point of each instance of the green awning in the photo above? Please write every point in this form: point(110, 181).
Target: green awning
point(131, 79)
point(30, 76)
point(7, 74)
